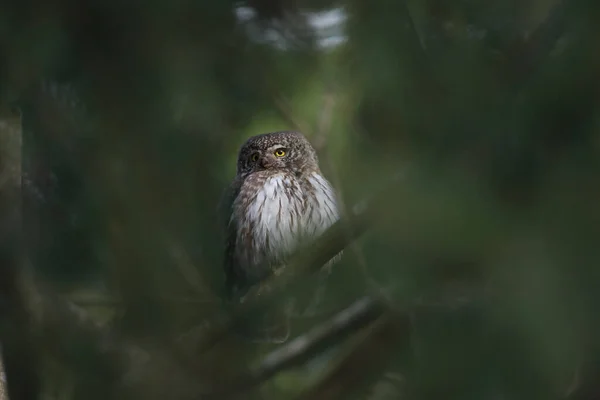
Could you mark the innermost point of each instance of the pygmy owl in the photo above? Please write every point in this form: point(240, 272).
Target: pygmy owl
point(278, 201)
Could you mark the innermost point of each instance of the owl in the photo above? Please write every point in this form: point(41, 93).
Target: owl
point(278, 201)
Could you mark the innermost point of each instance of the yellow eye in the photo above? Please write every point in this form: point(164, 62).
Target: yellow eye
point(279, 153)
point(254, 157)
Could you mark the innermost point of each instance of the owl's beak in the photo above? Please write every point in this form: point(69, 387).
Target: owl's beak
point(265, 162)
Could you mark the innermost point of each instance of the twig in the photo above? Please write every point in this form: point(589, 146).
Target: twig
point(70, 334)
point(540, 43)
point(359, 314)
point(372, 350)
point(355, 317)
point(19, 355)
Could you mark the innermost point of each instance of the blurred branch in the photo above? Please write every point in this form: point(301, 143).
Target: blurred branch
point(70, 334)
point(586, 382)
point(361, 313)
point(523, 126)
point(537, 46)
point(3, 391)
point(18, 351)
point(301, 349)
point(60, 325)
point(33, 317)
point(365, 361)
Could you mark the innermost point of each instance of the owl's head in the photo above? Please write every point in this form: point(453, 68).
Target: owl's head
point(287, 151)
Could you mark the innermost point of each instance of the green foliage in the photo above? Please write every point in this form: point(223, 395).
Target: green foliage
point(132, 115)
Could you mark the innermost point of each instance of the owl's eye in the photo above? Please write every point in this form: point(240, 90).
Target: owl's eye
point(279, 153)
point(254, 157)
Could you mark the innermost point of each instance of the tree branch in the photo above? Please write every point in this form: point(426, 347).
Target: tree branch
point(539, 44)
point(72, 336)
point(361, 313)
point(353, 318)
point(19, 354)
point(373, 349)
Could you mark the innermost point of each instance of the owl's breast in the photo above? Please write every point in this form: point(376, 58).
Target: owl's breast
point(275, 218)
point(283, 213)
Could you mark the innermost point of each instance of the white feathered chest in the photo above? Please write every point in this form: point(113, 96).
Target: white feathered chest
point(279, 216)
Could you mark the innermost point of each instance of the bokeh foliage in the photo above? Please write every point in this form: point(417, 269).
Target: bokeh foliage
point(485, 248)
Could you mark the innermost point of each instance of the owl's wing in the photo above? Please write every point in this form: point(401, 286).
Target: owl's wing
point(233, 280)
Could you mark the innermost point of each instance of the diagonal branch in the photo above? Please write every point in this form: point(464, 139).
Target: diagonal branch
point(359, 314)
point(527, 58)
point(373, 349)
